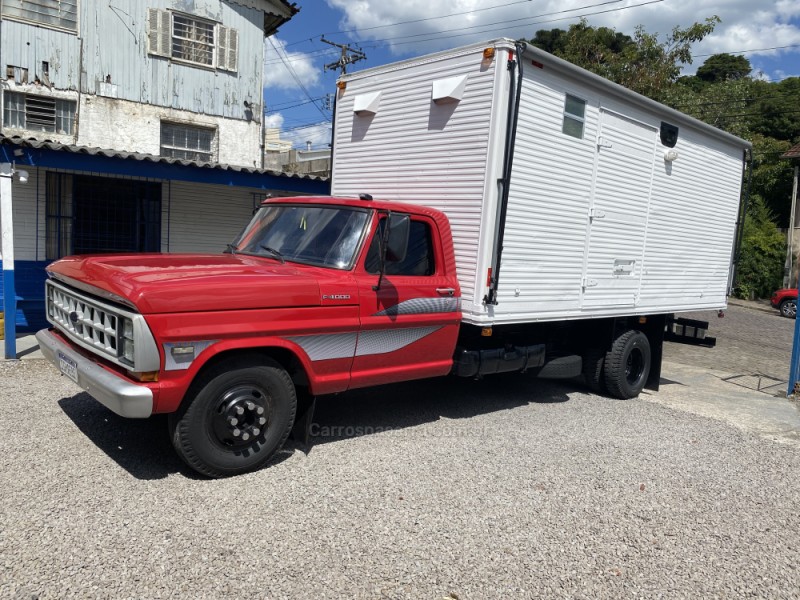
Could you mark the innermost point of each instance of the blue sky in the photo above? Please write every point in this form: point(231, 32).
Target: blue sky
point(390, 30)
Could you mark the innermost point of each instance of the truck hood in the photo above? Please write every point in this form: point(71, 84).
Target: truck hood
point(170, 283)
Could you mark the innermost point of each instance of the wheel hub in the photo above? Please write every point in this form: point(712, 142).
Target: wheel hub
point(241, 417)
point(634, 366)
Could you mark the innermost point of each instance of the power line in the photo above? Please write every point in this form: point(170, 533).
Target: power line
point(296, 78)
point(288, 105)
point(486, 27)
point(750, 50)
point(517, 21)
point(468, 12)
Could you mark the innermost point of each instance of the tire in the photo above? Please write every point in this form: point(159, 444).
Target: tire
point(627, 365)
point(593, 363)
point(238, 420)
point(788, 308)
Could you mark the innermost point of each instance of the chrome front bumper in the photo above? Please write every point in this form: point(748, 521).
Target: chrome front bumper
point(123, 397)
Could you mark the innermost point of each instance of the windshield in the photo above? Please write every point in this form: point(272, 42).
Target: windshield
point(327, 236)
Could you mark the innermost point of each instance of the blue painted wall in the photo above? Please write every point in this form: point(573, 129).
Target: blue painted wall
point(29, 278)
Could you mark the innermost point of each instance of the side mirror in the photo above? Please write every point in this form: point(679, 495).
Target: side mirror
point(397, 237)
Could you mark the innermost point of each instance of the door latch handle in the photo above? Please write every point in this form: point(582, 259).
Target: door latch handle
point(446, 291)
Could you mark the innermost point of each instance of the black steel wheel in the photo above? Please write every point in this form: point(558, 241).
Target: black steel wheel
point(239, 417)
point(627, 365)
point(788, 308)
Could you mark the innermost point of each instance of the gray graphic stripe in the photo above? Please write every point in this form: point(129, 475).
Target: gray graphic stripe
point(383, 341)
point(421, 306)
point(346, 345)
point(327, 346)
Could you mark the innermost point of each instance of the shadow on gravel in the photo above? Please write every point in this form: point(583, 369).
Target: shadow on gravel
point(142, 446)
point(403, 405)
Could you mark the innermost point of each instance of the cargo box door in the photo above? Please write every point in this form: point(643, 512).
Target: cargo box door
point(619, 212)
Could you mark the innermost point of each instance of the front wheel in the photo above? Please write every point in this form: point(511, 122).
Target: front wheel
point(788, 308)
point(627, 365)
point(238, 420)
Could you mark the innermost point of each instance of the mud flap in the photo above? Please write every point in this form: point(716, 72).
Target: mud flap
point(301, 430)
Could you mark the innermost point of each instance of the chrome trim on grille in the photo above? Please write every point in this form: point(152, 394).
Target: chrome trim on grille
point(97, 326)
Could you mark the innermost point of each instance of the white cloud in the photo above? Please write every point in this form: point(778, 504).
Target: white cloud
point(424, 26)
point(283, 68)
point(273, 121)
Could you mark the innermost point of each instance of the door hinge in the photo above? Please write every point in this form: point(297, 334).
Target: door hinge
point(595, 213)
point(603, 143)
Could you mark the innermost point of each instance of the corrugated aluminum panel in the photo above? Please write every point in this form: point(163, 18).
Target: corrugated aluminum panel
point(691, 227)
point(27, 46)
point(550, 195)
point(660, 236)
point(25, 213)
point(595, 227)
point(446, 156)
point(226, 211)
point(116, 46)
point(114, 42)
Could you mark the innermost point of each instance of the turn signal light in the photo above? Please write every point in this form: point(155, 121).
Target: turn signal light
point(146, 377)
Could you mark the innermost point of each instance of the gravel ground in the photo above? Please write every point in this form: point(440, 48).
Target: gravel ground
point(504, 488)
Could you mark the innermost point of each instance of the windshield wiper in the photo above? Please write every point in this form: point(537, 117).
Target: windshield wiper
point(232, 249)
point(274, 253)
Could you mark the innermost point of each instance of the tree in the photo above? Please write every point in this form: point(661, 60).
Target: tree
point(762, 255)
point(550, 40)
point(642, 63)
point(723, 67)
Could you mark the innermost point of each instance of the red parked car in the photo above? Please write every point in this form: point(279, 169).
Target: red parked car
point(785, 300)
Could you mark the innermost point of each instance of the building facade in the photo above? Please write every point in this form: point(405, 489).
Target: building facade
point(139, 124)
point(174, 78)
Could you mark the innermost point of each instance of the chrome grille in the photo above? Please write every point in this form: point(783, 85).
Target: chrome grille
point(92, 324)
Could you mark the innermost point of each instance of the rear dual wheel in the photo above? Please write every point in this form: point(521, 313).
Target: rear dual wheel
point(623, 370)
point(239, 417)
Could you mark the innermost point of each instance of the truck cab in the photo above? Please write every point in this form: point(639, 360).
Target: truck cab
point(315, 296)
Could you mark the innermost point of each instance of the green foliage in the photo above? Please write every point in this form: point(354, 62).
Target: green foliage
point(763, 252)
point(642, 63)
point(773, 177)
point(724, 67)
point(775, 110)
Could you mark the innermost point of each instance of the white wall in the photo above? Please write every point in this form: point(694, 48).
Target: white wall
point(113, 123)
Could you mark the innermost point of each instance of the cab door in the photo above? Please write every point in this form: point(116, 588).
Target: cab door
point(409, 325)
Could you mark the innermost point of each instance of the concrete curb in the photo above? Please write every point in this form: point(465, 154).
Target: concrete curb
point(761, 305)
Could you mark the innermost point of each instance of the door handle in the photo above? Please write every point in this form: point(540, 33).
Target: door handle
point(446, 291)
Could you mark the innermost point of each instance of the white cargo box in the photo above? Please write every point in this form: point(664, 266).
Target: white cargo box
point(607, 213)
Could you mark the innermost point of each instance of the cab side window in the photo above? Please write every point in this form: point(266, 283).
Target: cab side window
point(419, 261)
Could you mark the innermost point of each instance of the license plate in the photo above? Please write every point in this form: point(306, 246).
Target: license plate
point(68, 367)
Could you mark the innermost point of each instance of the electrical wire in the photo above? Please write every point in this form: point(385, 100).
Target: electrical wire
point(296, 78)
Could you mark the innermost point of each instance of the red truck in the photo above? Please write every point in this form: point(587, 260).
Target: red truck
point(535, 217)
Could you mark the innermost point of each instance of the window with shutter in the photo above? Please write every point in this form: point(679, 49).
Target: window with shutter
point(189, 39)
point(159, 34)
point(227, 48)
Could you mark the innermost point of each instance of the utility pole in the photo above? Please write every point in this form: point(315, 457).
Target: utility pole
point(348, 57)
